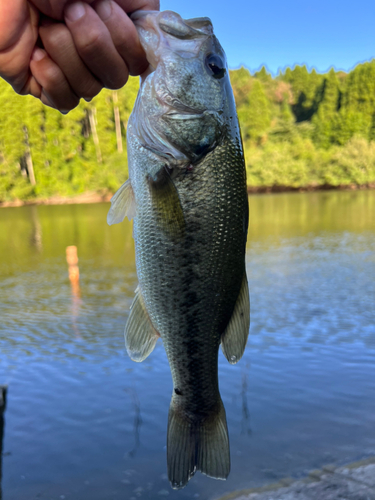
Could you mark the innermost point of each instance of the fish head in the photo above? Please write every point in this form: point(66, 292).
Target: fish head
point(187, 81)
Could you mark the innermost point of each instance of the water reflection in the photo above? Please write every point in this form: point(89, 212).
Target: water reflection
point(137, 420)
point(36, 230)
point(245, 423)
point(3, 391)
point(308, 399)
point(73, 269)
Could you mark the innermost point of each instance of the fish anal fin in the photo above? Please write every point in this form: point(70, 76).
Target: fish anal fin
point(122, 204)
point(234, 339)
point(166, 203)
point(200, 445)
point(140, 334)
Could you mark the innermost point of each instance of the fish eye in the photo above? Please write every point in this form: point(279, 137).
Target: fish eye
point(215, 65)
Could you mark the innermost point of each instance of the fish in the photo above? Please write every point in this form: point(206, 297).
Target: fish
point(187, 195)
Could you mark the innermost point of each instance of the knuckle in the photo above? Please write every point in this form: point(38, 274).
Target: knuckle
point(52, 76)
point(66, 105)
point(70, 107)
point(92, 90)
point(127, 44)
point(138, 67)
point(56, 37)
point(116, 82)
point(90, 43)
point(89, 90)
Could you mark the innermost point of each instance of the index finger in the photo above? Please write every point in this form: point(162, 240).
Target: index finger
point(124, 35)
point(130, 6)
point(55, 8)
point(130, 47)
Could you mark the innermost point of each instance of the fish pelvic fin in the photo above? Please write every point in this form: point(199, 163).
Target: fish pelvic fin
point(140, 334)
point(122, 204)
point(197, 445)
point(234, 339)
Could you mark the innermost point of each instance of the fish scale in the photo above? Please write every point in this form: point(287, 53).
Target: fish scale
point(188, 185)
point(172, 309)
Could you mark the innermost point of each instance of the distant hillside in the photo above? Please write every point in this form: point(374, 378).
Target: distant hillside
point(300, 129)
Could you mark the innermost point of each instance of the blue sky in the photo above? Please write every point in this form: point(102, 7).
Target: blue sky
point(281, 33)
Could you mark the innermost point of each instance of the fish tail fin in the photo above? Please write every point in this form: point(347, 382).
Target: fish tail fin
point(192, 446)
point(213, 446)
point(181, 449)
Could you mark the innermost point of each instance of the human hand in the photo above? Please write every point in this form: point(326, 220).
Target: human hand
point(96, 47)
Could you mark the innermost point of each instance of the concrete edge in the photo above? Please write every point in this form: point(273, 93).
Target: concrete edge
point(312, 477)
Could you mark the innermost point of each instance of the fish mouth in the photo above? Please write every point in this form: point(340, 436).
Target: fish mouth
point(160, 29)
point(172, 23)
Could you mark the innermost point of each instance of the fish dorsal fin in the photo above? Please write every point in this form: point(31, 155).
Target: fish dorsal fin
point(233, 340)
point(122, 204)
point(140, 334)
point(166, 204)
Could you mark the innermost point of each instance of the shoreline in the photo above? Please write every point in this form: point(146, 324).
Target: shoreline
point(94, 197)
point(309, 189)
point(352, 482)
point(84, 198)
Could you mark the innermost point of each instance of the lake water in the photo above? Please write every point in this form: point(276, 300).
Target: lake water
point(85, 422)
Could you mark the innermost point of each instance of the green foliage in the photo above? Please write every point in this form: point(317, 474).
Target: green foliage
point(327, 108)
point(352, 164)
point(255, 113)
point(241, 83)
point(288, 163)
point(305, 88)
point(318, 127)
point(263, 75)
point(299, 128)
point(348, 123)
point(61, 149)
point(359, 94)
point(371, 135)
point(299, 163)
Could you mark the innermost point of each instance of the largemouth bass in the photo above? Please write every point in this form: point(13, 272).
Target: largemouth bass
point(187, 193)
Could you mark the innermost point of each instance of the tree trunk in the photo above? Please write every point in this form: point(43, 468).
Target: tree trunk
point(117, 121)
point(95, 136)
point(28, 158)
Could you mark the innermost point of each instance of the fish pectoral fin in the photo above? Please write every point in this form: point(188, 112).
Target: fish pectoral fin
point(122, 204)
point(233, 340)
point(140, 334)
point(166, 204)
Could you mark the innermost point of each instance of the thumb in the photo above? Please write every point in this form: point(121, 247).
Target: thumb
point(18, 35)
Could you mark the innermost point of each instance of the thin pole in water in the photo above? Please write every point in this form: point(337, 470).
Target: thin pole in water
point(3, 399)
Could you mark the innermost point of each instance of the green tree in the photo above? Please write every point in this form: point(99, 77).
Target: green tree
point(371, 135)
point(263, 75)
point(304, 87)
point(324, 118)
point(255, 117)
point(241, 81)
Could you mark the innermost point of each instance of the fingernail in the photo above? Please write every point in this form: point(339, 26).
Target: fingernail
point(104, 10)
point(64, 111)
point(75, 11)
point(38, 54)
point(88, 99)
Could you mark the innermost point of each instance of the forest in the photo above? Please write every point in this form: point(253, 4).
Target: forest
point(301, 129)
